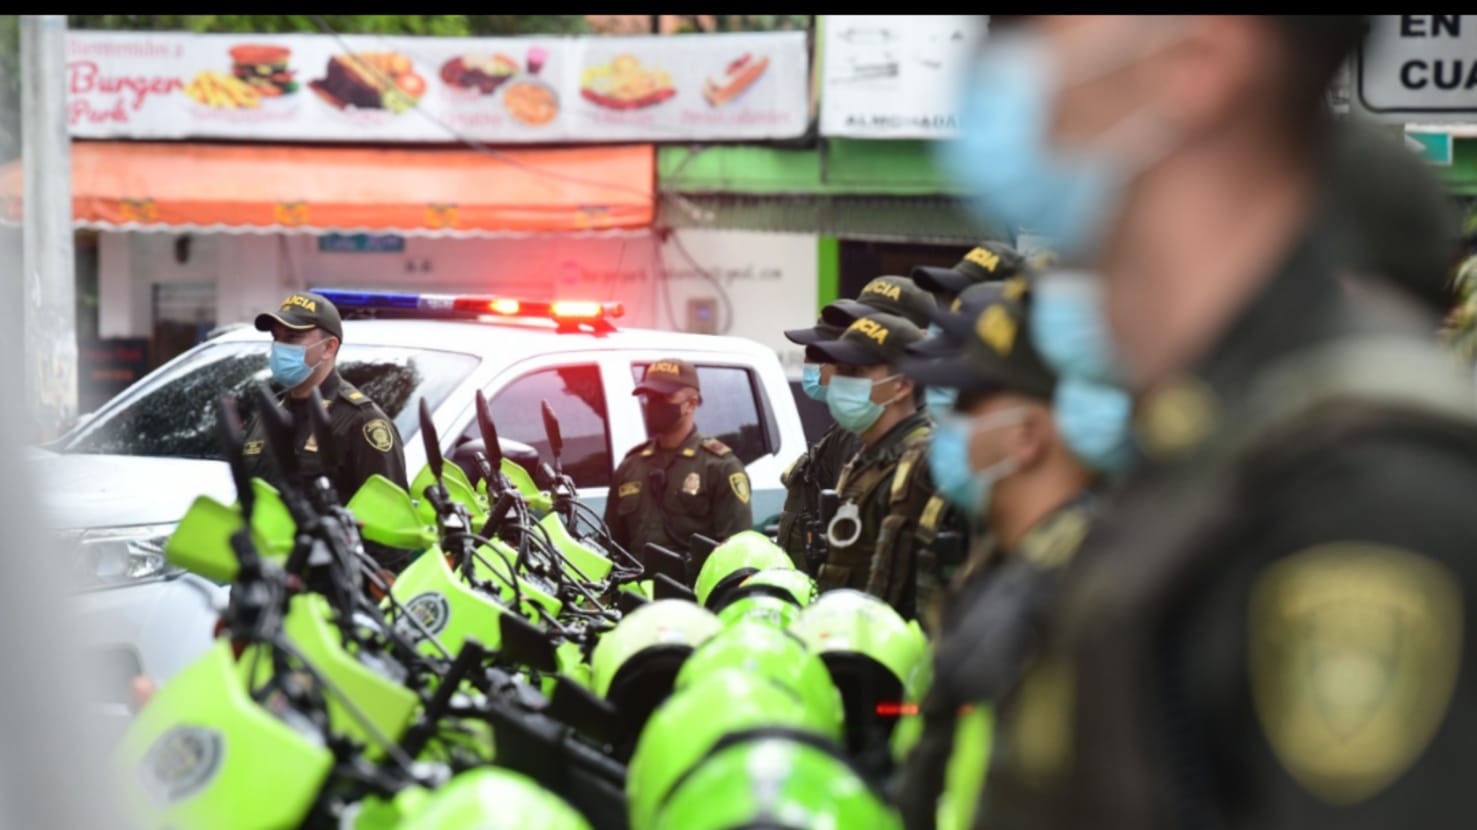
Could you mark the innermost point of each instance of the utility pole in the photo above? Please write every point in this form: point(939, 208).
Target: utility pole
point(49, 282)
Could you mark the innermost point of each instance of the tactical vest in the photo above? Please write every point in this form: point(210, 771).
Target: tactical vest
point(879, 556)
point(798, 504)
point(803, 483)
point(1110, 686)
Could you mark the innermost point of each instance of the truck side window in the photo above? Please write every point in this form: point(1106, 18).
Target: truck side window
point(576, 394)
point(731, 410)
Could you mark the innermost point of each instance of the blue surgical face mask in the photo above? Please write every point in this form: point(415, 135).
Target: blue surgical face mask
point(1094, 422)
point(810, 382)
point(940, 401)
point(1070, 329)
point(851, 404)
point(1005, 157)
point(948, 459)
point(289, 364)
point(948, 464)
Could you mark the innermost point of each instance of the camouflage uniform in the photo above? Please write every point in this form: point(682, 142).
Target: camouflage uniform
point(816, 470)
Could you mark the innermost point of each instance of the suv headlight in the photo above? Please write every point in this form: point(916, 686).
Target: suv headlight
point(114, 556)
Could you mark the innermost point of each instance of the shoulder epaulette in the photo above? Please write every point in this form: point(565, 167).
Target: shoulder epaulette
point(716, 447)
point(354, 396)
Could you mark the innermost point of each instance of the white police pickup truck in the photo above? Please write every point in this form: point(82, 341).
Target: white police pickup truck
point(117, 483)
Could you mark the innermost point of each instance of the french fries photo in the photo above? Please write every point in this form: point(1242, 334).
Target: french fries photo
point(220, 91)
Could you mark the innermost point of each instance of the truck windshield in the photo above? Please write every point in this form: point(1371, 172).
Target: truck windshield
point(173, 412)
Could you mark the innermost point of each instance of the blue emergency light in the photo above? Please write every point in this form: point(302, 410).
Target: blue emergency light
point(473, 306)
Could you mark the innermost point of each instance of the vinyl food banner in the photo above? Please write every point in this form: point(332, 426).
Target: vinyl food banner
point(407, 89)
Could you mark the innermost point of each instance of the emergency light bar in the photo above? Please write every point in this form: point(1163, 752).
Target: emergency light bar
point(465, 306)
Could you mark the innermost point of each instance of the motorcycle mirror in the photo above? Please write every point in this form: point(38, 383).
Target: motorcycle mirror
point(492, 447)
point(579, 708)
point(431, 441)
point(628, 601)
point(665, 587)
point(319, 422)
point(664, 562)
point(233, 440)
point(525, 645)
point(551, 429)
point(278, 427)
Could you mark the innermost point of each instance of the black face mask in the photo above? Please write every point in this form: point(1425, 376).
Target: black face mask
point(660, 415)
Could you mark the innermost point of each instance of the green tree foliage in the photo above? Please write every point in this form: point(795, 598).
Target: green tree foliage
point(1460, 332)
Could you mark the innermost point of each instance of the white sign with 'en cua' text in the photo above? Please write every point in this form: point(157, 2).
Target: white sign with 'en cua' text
point(1419, 67)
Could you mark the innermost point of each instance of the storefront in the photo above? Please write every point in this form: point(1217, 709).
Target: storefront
point(205, 188)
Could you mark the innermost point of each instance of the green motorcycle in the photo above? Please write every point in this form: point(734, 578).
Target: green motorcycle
point(270, 689)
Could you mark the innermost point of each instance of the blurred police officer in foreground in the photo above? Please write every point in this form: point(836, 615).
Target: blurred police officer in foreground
point(680, 482)
point(1269, 625)
point(306, 335)
point(1003, 449)
point(870, 541)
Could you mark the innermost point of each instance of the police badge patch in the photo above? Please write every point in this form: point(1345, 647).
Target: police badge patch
point(692, 484)
point(740, 484)
point(181, 763)
point(379, 435)
point(430, 609)
point(1354, 655)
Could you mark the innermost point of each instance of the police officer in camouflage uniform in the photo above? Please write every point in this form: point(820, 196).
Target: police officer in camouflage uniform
point(870, 540)
point(1270, 624)
point(306, 335)
point(818, 468)
point(679, 482)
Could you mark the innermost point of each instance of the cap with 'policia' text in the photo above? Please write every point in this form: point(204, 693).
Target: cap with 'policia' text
point(668, 375)
point(997, 354)
point(819, 333)
point(303, 311)
point(877, 338)
point(989, 261)
point(899, 296)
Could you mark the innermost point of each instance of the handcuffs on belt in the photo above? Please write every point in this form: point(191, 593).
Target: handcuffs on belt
point(838, 534)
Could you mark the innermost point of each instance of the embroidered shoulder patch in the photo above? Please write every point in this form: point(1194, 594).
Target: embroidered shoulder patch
point(1354, 654)
point(379, 435)
point(740, 484)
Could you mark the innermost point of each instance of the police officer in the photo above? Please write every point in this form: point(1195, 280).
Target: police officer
point(986, 262)
point(870, 539)
point(819, 467)
point(306, 335)
point(1003, 454)
point(1270, 625)
point(680, 482)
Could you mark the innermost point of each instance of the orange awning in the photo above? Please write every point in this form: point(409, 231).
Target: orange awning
point(411, 191)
